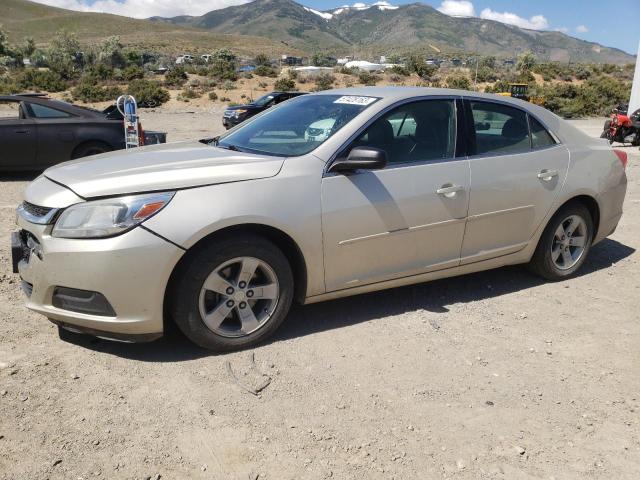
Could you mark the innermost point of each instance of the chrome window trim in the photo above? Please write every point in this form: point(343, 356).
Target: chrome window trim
point(43, 220)
point(383, 112)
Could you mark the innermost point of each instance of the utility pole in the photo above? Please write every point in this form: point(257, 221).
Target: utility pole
point(475, 80)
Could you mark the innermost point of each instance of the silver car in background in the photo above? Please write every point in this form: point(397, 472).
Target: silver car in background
point(403, 185)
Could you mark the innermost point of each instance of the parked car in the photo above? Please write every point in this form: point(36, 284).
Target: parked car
point(239, 113)
point(222, 235)
point(37, 132)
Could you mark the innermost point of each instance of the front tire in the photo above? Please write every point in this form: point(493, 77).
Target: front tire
point(233, 294)
point(564, 244)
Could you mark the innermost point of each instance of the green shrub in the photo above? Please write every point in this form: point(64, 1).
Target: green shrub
point(213, 96)
point(175, 77)
point(8, 87)
point(324, 81)
point(367, 78)
point(148, 93)
point(400, 70)
point(229, 85)
point(88, 91)
point(132, 72)
point(458, 81)
point(46, 80)
point(265, 71)
point(189, 94)
point(284, 84)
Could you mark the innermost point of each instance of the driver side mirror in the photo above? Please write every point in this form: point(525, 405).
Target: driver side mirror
point(361, 158)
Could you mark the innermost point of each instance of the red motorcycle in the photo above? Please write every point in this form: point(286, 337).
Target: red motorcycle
point(622, 128)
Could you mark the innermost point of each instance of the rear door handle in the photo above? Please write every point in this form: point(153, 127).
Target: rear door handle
point(448, 190)
point(547, 175)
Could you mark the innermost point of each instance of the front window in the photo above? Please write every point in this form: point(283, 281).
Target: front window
point(414, 132)
point(296, 127)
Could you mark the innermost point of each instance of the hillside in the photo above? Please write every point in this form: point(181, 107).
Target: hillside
point(21, 18)
point(380, 29)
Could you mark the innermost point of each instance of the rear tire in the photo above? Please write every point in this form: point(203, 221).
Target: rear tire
point(564, 244)
point(90, 148)
point(232, 294)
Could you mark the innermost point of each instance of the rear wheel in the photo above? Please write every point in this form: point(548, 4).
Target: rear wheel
point(90, 148)
point(564, 244)
point(232, 295)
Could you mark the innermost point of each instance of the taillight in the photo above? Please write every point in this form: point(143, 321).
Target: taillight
point(622, 156)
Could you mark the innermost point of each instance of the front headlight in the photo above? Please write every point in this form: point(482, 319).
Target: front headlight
point(240, 111)
point(109, 217)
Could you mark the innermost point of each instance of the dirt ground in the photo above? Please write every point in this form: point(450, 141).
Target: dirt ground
point(496, 375)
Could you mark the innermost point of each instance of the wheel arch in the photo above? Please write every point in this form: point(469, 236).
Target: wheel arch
point(590, 203)
point(282, 240)
point(84, 143)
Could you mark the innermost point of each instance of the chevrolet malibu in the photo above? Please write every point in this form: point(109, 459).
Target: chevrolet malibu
point(221, 236)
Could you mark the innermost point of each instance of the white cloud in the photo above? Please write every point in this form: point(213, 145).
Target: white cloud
point(537, 22)
point(145, 8)
point(582, 29)
point(562, 29)
point(457, 8)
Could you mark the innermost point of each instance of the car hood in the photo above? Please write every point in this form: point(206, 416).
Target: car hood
point(169, 166)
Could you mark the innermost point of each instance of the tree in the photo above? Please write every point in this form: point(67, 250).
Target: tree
point(4, 46)
point(64, 54)
point(111, 52)
point(262, 59)
point(223, 64)
point(29, 47)
point(418, 65)
point(488, 62)
point(526, 62)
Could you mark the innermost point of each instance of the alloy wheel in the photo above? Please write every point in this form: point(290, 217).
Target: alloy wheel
point(239, 297)
point(569, 242)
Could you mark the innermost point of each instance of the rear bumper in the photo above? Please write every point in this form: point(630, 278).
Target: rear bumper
point(131, 271)
point(610, 203)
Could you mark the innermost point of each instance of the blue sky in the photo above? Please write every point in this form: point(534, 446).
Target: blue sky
point(612, 23)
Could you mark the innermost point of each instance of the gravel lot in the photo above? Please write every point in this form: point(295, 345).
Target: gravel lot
point(494, 375)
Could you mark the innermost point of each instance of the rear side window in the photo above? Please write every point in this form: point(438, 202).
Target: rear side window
point(540, 138)
point(40, 111)
point(499, 129)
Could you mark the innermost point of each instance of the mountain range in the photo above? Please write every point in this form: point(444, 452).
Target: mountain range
point(277, 27)
point(386, 29)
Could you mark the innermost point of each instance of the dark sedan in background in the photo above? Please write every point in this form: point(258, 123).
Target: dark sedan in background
point(37, 132)
point(239, 113)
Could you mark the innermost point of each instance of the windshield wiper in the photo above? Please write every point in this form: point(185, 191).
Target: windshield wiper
point(227, 147)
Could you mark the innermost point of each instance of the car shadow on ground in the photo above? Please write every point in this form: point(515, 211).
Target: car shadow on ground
point(433, 296)
point(18, 176)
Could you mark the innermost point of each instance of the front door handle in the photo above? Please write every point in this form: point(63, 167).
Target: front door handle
point(449, 190)
point(23, 131)
point(547, 175)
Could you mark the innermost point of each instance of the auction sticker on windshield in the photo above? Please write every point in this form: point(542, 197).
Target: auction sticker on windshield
point(354, 100)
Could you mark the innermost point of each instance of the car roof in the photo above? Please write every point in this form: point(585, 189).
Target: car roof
point(43, 100)
point(394, 94)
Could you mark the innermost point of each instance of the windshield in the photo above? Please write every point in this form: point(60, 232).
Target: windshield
point(297, 126)
point(262, 101)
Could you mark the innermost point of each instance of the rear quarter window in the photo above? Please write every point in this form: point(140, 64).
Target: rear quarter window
point(540, 137)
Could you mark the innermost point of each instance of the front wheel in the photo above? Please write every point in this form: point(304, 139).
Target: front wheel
point(564, 244)
point(232, 295)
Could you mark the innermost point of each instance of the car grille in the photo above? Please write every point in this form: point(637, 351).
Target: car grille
point(37, 214)
point(35, 210)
